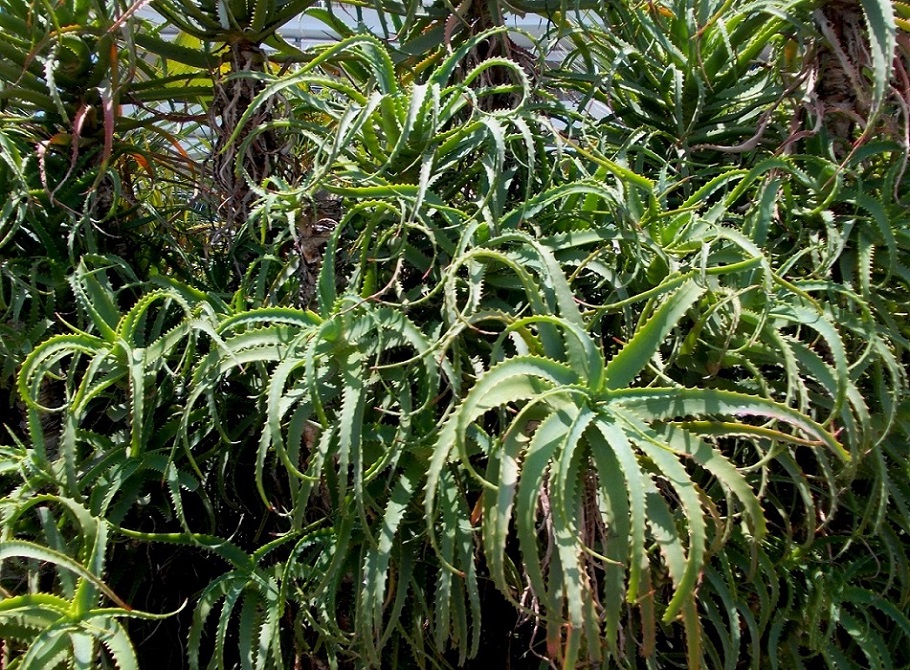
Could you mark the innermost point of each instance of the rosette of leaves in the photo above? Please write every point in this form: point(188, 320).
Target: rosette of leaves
point(56, 60)
point(686, 76)
point(615, 497)
point(64, 72)
point(414, 163)
point(343, 407)
point(66, 622)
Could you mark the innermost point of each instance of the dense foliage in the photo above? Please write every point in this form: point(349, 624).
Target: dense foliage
point(450, 344)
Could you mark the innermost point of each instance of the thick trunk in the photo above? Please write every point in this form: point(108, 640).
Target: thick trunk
point(237, 164)
point(841, 88)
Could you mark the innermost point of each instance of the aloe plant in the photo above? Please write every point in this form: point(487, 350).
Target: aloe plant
point(582, 459)
point(628, 390)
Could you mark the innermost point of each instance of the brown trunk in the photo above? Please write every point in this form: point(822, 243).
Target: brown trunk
point(476, 15)
point(841, 89)
point(315, 225)
point(234, 165)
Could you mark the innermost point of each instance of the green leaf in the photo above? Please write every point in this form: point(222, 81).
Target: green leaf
point(543, 446)
point(619, 445)
point(709, 457)
point(25, 549)
point(669, 467)
point(635, 354)
point(658, 404)
point(882, 28)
